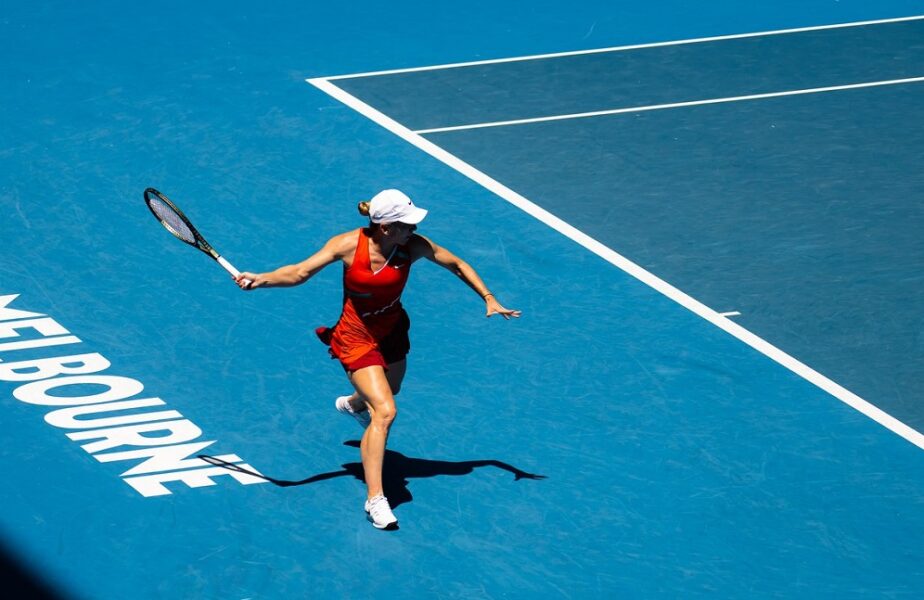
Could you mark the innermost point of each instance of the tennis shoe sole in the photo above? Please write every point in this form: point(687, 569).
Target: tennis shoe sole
point(342, 404)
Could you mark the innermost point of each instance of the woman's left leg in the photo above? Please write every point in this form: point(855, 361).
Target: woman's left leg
point(373, 387)
point(394, 375)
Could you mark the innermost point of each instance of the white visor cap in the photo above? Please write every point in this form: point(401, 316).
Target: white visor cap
point(389, 206)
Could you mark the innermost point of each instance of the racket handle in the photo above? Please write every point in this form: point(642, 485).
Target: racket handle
point(230, 268)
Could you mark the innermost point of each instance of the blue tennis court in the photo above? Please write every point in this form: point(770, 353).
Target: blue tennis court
point(709, 220)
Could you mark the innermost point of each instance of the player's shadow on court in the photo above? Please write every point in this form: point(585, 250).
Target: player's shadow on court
point(397, 472)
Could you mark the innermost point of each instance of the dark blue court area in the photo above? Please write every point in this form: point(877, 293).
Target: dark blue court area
point(796, 211)
point(612, 443)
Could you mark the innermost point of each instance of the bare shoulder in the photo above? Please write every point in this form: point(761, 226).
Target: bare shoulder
point(344, 244)
point(421, 247)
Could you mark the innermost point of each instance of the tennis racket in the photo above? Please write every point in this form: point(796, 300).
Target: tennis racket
point(174, 221)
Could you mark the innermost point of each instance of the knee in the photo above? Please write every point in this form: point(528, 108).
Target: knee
point(385, 414)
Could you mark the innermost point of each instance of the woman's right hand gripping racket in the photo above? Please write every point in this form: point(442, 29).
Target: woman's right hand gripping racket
point(174, 221)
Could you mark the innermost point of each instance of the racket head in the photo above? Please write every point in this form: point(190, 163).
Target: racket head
point(174, 221)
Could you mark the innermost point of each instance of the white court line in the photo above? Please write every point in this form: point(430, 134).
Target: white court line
point(733, 313)
point(611, 256)
point(616, 111)
point(736, 36)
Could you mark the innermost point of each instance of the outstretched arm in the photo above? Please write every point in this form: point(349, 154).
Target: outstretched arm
point(422, 247)
point(296, 274)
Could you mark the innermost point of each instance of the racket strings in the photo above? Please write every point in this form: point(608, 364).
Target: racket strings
point(172, 221)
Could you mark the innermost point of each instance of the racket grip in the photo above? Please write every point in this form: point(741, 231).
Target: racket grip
point(230, 268)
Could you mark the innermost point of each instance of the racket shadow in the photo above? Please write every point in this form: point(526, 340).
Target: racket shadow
point(397, 472)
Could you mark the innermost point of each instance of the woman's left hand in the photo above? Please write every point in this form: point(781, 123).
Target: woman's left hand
point(494, 308)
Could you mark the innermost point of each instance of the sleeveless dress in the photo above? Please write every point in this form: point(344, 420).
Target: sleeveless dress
point(373, 326)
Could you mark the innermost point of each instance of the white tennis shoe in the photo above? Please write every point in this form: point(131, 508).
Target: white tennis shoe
point(379, 513)
point(343, 406)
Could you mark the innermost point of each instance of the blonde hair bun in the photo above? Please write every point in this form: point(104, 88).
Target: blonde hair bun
point(363, 208)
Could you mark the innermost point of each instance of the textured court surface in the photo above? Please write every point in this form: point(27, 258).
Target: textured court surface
point(737, 203)
point(675, 460)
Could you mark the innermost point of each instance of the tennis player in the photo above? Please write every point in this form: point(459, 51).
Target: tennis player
point(371, 337)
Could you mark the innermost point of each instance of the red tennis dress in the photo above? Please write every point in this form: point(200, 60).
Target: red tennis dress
point(373, 327)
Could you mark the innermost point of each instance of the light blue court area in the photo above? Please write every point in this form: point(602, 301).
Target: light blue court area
point(611, 443)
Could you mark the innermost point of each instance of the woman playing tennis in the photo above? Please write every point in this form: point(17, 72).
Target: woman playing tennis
point(371, 337)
